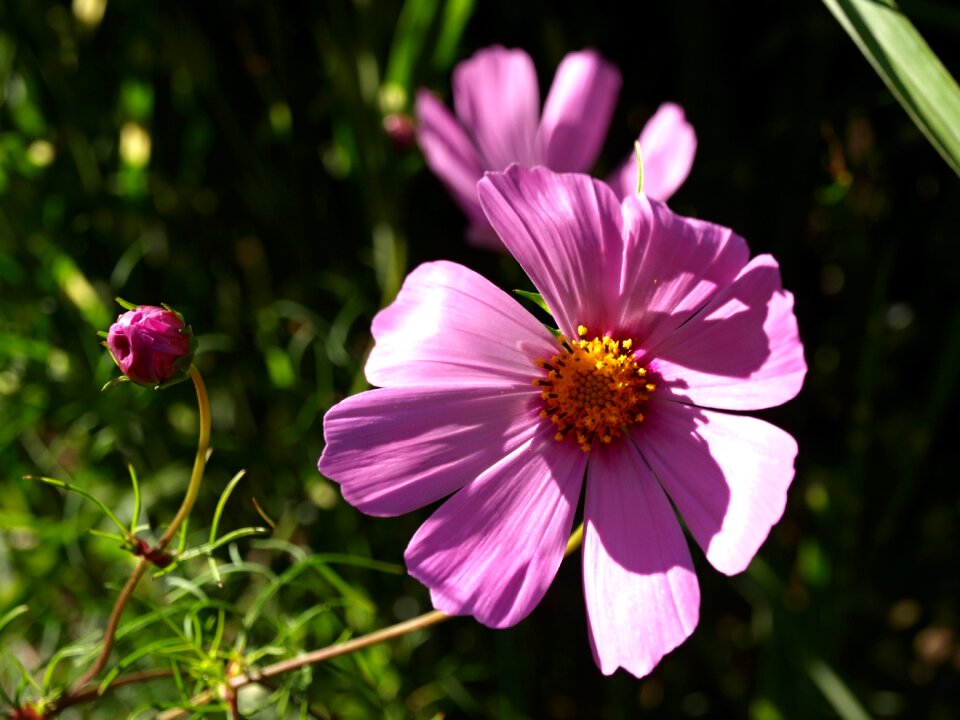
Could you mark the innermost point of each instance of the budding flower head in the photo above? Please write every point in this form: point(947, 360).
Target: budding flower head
point(151, 345)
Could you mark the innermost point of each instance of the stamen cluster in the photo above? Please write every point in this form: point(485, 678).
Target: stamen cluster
point(593, 389)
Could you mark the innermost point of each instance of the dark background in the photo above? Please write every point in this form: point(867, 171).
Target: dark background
point(277, 215)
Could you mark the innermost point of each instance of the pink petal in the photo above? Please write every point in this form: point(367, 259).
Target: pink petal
point(641, 591)
point(742, 351)
point(672, 266)
point(727, 474)
point(449, 153)
point(577, 112)
point(450, 326)
point(394, 450)
point(493, 549)
point(564, 230)
point(497, 98)
point(668, 144)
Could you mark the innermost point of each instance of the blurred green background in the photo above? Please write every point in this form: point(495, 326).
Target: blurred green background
point(230, 159)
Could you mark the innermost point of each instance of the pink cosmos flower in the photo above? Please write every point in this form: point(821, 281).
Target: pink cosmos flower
point(666, 324)
point(498, 122)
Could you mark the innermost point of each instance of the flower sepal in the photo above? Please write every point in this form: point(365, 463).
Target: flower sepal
point(113, 381)
point(537, 299)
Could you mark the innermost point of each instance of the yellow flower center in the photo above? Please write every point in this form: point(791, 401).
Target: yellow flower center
point(593, 389)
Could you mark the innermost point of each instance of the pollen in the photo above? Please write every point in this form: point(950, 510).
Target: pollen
point(592, 390)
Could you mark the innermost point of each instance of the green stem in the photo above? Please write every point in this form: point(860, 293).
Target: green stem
point(199, 462)
point(193, 489)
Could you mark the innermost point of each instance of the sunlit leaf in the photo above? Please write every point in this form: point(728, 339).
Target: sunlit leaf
point(11, 615)
point(908, 66)
point(408, 40)
point(456, 14)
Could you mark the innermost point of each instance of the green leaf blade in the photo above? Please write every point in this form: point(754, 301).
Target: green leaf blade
point(909, 68)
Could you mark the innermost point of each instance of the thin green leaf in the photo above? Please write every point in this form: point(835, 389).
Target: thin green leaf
point(178, 681)
point(25, 677)
point(182, 542)
point(136, 624)
point(345, 589)
point(262, 513)
point(293, 626)
point(408, 40)
point(167, 647)
point(456, 14)
point(109, 536)
point(189, 586)
point(910, 69)
point(316, 562)
point(334, 558)
point(207, 548)
point(76, 287)
point(108, 679)
point(62, 654)
point(218, 634)
point(11, 615)
point(840, 697)
point(222, 502)
point(296, 552)
point(136, 500)
point(80, 491)
point(215, 571)
point(193, 629)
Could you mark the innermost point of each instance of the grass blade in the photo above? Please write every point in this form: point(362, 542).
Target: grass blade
point(910, 69)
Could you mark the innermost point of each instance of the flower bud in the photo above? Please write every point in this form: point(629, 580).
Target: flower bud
point(399, 128)
point(151, 345)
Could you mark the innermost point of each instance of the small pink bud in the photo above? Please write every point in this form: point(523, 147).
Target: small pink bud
point(399, 128)
point(141, 548)
point(151, 345)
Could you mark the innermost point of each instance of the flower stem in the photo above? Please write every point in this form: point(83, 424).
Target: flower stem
point(199, 462)
point(110, 633)
point(193, 489)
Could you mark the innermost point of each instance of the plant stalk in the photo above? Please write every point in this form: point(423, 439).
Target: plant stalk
point(193, 489)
